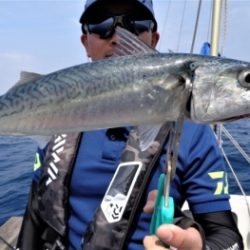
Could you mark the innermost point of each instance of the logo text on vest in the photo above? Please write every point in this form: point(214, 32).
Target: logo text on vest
point(56, 150)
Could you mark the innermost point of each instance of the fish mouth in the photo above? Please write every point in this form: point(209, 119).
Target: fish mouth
point(234, 118)
point(108, 55)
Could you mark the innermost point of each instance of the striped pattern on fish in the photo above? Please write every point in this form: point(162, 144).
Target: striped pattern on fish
point(129, 90)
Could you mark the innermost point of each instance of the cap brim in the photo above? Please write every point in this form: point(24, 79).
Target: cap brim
point(103, 8)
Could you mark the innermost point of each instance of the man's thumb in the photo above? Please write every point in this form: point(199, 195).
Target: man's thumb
point(182, 239)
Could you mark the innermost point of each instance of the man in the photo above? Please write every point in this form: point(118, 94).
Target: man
point(60, 217)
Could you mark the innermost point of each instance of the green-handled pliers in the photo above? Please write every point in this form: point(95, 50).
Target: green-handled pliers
point(164, 204)
point(164, 208)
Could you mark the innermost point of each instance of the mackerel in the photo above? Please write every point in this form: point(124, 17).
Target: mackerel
point(149, 88)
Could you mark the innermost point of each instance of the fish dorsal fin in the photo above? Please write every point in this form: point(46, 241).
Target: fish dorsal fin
point(26, 76)
point(147, 135)
point(129, 44)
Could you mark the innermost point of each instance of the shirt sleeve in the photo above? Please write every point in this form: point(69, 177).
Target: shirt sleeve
point(201, 177)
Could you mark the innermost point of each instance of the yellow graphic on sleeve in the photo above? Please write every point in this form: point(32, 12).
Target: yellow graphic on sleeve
point(37, 163)
point(222, 182)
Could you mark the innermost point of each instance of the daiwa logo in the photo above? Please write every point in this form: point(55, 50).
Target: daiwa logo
point(56, 150)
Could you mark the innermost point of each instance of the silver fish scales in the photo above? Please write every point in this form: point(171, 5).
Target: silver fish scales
point(129, 90)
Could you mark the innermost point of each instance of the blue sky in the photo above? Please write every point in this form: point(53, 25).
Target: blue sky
point(44, 36)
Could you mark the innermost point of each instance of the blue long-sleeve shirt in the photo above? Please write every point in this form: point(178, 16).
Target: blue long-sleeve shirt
point(200, 178)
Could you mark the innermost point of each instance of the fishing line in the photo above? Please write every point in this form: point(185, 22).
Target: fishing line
point(225, 21)
point(236, 144)
point(209, 22)
point(11, 247)
point(164, 24)
point(196, 26)
point(237, 180)
point(181, 26)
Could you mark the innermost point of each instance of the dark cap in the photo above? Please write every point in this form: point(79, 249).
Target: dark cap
point(95, 9)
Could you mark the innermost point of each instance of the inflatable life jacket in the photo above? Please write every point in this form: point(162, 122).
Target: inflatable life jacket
point(112, 221)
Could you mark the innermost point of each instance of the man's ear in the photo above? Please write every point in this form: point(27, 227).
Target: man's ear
point(84, 41)
point(155, 39)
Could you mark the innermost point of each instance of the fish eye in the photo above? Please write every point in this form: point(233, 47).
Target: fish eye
point(244, 78)
point(193, 65)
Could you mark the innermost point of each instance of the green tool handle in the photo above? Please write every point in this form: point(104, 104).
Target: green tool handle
point(162, 214)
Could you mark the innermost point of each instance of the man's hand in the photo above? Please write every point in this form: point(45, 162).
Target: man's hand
point(182, 239)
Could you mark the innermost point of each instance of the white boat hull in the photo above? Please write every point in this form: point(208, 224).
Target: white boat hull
point(239, 206)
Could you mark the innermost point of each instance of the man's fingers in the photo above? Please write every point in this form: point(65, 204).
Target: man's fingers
point(153, 243)
point(149, 207)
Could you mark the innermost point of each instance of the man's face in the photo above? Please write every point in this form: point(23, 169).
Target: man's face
point(100, 48)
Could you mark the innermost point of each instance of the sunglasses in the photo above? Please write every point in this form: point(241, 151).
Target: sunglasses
point(106, 28)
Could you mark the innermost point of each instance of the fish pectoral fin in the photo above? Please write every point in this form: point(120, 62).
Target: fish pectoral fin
point(147, 135)
point(129, 44)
